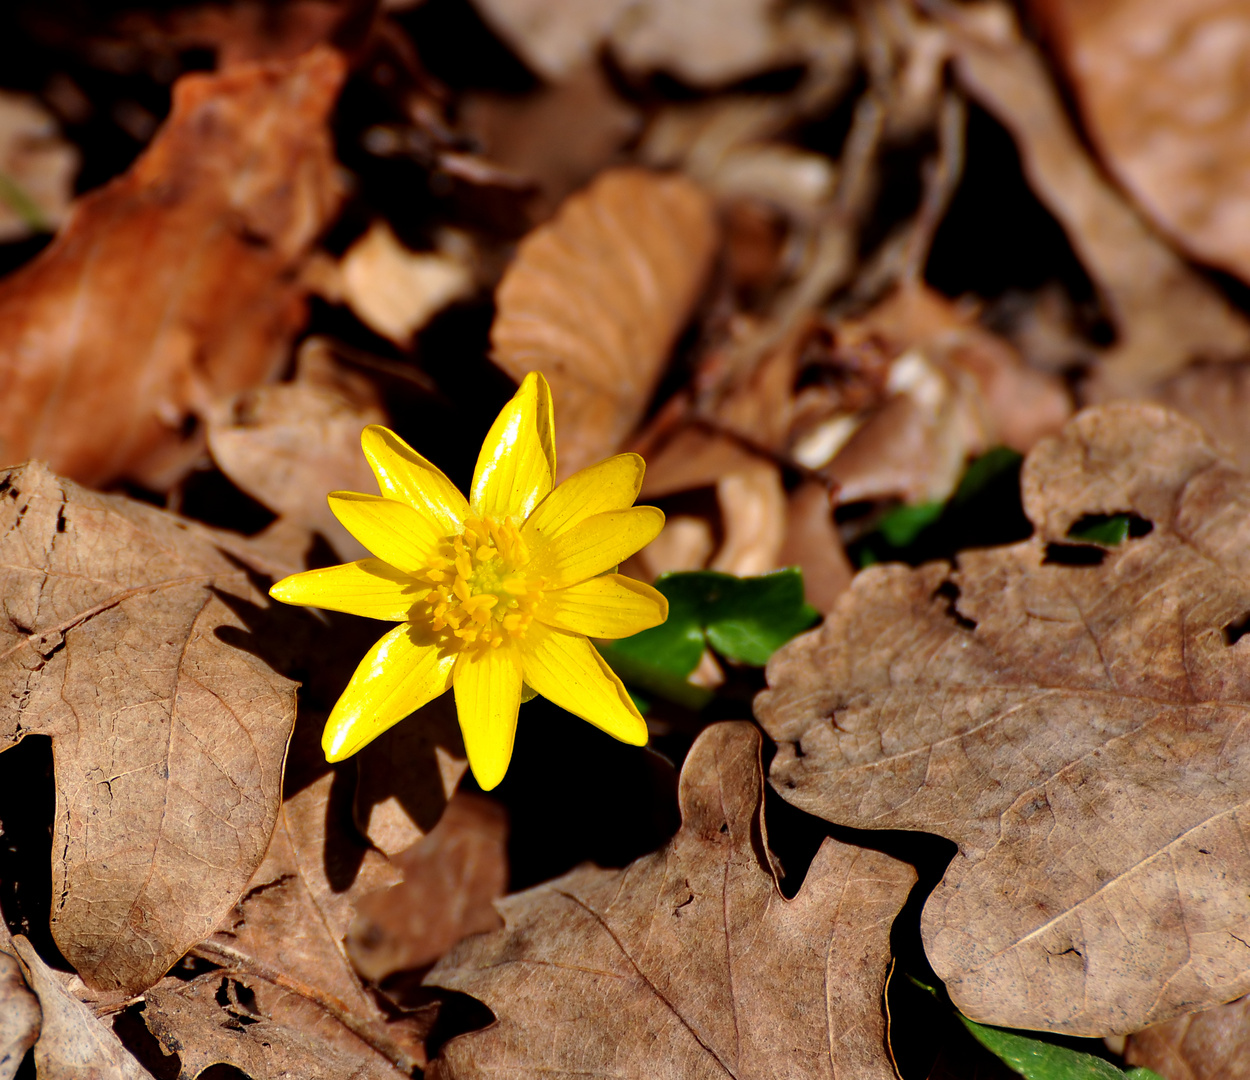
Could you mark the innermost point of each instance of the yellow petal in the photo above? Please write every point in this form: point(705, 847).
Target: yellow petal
point(368, 587)
point(517, 465)
point(397, 676)
point(595, 545)
point(405, 476)
point(393, 531)
point(610, 485)
point(488, 695)
point(611, 606)
point(566, 669)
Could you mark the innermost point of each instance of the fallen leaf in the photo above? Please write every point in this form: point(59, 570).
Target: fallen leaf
point(814, 545)
point(288, 445)
point(396, 291)
point(689, 962)
point(20, 1016)
point(595, 299)
point(1210, 1045)
point(175, 284)
point(1161, 92)
point(200, 1023)
point(125, 639)
point(1216, 397)
point(451, 878)
point(1070, 715)
point(73, 1042)
point(1165, 314)
point(37, 169)
point(753, 510)
point(553, 39)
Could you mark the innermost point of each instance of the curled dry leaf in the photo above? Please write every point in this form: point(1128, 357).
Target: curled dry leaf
point(689, 963)
point(1072, 717)
point(20, 1016)
point(73, 1042)
point(451, 878)
point(753, 510)
point(287, 445)
point(1166, 315)
point(178, 277)
point(596, 298)
point(125, 639)
point(1210, 1045)
point(1162, 93)
point(37, 168)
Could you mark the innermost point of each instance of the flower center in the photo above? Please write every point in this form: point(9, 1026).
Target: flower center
point(479, 591)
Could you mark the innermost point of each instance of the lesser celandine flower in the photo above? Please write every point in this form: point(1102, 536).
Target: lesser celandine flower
point(492, 592)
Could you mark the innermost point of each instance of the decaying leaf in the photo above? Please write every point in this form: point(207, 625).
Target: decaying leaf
point(73, 1042)
point(20, 1016)
point(595, 299)
point(173, 285)
point(1210, 1045)
point(689, 963)
point(1072, 717)
point(36, 168)
point(288, 445)
point(1216, 397)
point(451, 878)
point(1162, 94)
point(125, 639)
point(1165, 313)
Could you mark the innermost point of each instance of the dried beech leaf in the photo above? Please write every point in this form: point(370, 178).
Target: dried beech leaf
point(191, 1021)
point(122, 640)
point(287, 445)
point(37, 168)
point(1165, 313)
point(177, 277)
point(451, 878)
point(73, 1042)
point(1210, 1045)
point(689, 963)
point(20, 1016)
point(595, 299)
point(1073, 718)
point(1161, 91)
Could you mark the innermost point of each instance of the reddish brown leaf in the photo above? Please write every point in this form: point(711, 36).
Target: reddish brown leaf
point(1210, 1045)
point(1073, 718)
point(689, 963)
point(174, 285)
point(122, 639)
point(595, 299)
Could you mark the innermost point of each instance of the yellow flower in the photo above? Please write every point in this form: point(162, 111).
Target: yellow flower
point(490, 593)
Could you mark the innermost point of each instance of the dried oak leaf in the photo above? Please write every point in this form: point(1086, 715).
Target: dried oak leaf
point(1166, 315)
point(73, 1042)
point(37, 168)
point(596, 297)
point(1210, 1045)
point(1161, 91)
point(1073, 717)
point(689, 962)
point(175, 284)
point(20, 1016)
point(118, 640)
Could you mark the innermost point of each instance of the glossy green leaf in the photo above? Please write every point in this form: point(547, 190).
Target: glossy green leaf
point(1107, 531)
point(1037, 1059)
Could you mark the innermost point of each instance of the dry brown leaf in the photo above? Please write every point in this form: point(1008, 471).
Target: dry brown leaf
point(451, 878)
point(814, 545)
point(36, 162)
point(124, 639)
point(1075, 728)
point(173, 285)
point(191, 1021)
point(1216, 397)
point(395, 291)
point(290, 444)
point(72, 1043)
point(1161, 89)
point(753, 512)
point(560, 136)
point(1166, 315)
point(595, 299)
point(689, 963)
point(20, 1016)
point(1210, 1045)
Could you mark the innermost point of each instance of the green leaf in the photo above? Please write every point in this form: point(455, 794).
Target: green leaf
point(1036, 1059)
point(746, 620)
point(904, 523)
point(1100, 529)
